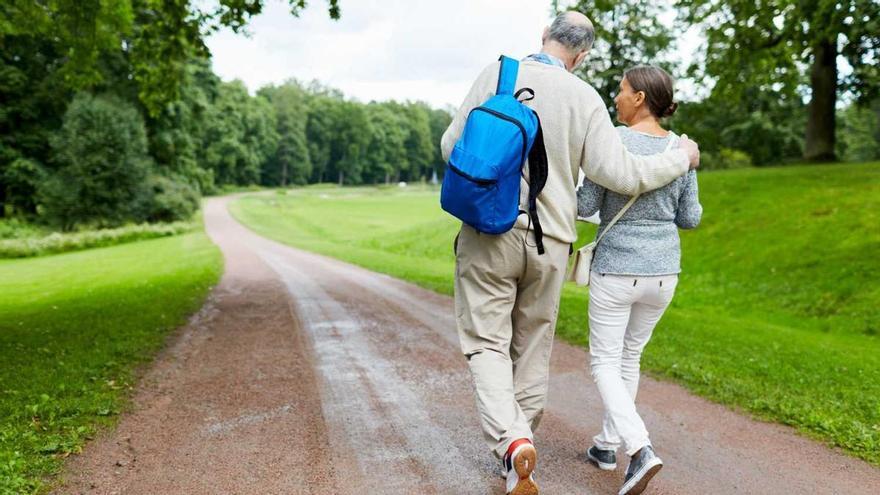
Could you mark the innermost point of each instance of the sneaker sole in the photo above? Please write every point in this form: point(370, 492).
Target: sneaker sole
point(604, 466)
point(524, 465)
point(638, 483)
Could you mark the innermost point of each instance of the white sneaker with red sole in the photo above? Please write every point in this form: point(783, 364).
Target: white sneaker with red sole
point(519, 462)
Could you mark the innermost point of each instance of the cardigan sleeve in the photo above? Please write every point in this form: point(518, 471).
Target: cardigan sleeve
point(690, 211)
point(589, 198)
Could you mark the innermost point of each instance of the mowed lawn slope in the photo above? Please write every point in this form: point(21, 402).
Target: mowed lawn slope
point(777, 308)
point(73, 328)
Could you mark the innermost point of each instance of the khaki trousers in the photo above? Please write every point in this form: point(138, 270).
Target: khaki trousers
point(506, 303)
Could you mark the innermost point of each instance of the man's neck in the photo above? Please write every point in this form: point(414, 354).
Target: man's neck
point(555, 50)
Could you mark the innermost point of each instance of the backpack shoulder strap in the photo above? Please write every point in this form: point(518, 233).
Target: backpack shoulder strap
point(537, 180)
point(507, 76)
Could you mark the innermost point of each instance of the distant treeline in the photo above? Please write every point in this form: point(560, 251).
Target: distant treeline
point(98, 158)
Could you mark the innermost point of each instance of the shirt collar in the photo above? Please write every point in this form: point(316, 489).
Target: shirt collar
point(546, 59)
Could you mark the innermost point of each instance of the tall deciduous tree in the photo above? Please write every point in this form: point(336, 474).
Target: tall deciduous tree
point(240, 135)
point(386, 151)
point(350, 141)
point(177, 134)
point(778, 44)
point(290, 164)
point(439, 121)
point(419, 147)
point(320, 131)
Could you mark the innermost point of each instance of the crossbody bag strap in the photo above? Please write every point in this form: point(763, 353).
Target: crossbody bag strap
point(617, 217)
point(631, 201)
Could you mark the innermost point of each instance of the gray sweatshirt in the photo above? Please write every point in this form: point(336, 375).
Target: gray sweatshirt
point(645, 239)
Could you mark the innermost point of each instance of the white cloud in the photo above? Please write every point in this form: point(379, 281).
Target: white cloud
point(382, 49)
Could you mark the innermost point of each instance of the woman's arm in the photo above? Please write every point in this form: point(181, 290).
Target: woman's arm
point(689, 210)
point(589, 197)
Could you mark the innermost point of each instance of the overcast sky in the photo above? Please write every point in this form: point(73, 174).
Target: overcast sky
point(382, 49)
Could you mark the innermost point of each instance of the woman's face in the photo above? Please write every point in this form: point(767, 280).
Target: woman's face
point(628, 102)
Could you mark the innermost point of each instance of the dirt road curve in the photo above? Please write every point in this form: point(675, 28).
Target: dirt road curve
point(303, 374)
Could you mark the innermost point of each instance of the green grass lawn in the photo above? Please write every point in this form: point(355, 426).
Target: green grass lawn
point(73, 329)
point(777, 308)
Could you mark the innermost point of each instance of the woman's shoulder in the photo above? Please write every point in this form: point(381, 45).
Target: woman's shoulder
point(641, 143)
point(626, 131)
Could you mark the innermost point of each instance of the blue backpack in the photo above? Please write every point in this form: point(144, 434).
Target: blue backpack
point(481, 186)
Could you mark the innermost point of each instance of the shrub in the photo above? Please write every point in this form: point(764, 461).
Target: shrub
point(726, 158)
point(17, 228)
point(101, 155)
point(169, 201)
point(62, 242)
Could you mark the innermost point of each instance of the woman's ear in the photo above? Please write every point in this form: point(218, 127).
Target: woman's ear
point(639, 98)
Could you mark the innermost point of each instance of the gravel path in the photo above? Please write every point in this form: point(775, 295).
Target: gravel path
point(304, 374)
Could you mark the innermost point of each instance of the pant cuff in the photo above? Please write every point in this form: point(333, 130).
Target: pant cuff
point(637, 447)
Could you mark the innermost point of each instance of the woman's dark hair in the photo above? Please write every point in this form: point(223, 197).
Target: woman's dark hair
point(656, 83)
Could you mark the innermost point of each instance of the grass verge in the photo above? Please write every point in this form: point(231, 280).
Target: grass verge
point(73, 329)
point(57, 242)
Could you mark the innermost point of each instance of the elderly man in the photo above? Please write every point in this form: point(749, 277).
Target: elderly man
point(506, 293)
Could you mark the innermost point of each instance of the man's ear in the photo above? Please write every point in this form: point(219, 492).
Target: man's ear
point(579, 59)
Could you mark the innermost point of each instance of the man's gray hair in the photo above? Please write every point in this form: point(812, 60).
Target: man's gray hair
point(574, 35)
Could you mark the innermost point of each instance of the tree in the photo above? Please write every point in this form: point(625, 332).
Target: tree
point(320, 130)
point(418, 143)
point(860, 136)
point(777, 45)
point(158, 36)
point(628, 33)
point(177, 134)
point(386, 150)
point(101, 154)
point(439, 121)
point(239, 136)
point(765, 126)
point(351, 137)
point(32, 103)
point(290, 163)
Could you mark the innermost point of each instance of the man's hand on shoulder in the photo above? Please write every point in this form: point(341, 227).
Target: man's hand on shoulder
point(691, 148)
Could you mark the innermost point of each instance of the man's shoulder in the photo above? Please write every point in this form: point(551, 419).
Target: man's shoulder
point(562, 80)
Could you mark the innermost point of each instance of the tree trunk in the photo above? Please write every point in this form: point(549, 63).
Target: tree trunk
point(819, 145)
point(341, 178)
point(284, 175)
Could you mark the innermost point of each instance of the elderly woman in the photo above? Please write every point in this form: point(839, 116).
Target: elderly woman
point(634, 273)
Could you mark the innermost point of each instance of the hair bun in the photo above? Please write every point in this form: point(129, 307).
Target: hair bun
point(671, 109)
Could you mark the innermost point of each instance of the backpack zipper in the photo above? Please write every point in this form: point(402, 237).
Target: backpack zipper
point(522, 129)
point(481, 182)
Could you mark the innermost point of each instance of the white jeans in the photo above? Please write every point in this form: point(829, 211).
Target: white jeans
point(623, 313)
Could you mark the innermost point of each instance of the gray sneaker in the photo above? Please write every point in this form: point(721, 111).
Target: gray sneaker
point(642, 467)
point(605, 459)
